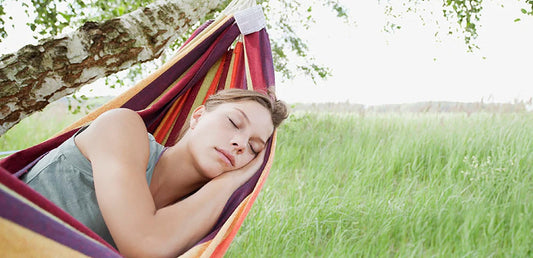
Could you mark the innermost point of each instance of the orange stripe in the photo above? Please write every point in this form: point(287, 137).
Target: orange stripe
point(236, 64)
point(162, 130)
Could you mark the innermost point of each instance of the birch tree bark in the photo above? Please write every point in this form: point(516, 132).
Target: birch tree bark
point(34, 76)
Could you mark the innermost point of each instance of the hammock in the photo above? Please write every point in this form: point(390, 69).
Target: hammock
point(218, 55)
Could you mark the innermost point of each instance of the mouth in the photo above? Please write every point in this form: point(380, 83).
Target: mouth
point(230, 160)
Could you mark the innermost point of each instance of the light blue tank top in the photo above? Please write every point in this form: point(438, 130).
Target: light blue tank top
point(65, 177)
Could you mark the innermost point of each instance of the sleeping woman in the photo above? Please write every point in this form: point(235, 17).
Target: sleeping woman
point(152, 201)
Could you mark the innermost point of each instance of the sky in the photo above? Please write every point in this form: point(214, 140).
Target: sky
point(372, 67)
point(410, 65)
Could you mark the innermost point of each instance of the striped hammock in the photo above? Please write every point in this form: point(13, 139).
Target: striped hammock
point(217, 56)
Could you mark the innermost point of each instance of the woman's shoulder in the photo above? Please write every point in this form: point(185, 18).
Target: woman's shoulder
point(115, 130)
point(119, 115)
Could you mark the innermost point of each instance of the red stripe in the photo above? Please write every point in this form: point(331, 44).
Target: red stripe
point(182, 118)
point(169, 120)
point(255, 61)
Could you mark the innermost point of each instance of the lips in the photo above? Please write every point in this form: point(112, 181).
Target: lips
point(227, 156)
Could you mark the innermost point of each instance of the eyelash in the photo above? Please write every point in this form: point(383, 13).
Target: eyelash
point(253, 151)
point(251, 147)
point(233, 123)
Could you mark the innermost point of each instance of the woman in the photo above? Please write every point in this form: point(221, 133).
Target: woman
point(151, 201)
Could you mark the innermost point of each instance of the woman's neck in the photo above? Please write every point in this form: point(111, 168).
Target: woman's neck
point(174, 176)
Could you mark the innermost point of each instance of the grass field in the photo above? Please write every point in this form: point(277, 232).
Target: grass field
point(44, 124)
point(378, 185)
point(407, 185)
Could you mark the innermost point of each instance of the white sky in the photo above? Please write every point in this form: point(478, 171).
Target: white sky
point(373, 67)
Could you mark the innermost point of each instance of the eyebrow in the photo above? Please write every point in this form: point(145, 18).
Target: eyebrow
point(247, 119)
point(243, 114)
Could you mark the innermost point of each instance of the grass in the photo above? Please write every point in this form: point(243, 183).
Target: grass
point(396, 185)
point(401, 185)
point(44, 124)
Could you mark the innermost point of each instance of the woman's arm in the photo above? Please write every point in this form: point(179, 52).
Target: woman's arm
point(117, 146)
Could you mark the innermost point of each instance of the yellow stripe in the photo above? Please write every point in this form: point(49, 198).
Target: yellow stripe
point(206, 84)
point(18, 241)
point(249, 85)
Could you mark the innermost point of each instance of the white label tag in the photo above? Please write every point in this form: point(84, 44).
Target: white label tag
point(250, 20)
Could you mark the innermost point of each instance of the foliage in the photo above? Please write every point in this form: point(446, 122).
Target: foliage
point(285, 35)
point(3, 33)
point(58, 16)
point(463, 16)
point(54, 16)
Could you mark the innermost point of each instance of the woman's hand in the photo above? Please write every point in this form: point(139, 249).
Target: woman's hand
point(242, 175)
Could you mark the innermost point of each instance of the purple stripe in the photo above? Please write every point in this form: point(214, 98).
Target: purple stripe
point(182, 117)
point(227, 62)
point(19, 160)
point(266, 53)
point(154, 116)
point(216, 54)
point(25, 169)
point(20, 213)
point(196, 32)
point(161, 83)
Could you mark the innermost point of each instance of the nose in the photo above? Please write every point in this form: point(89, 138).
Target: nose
point(238, 144)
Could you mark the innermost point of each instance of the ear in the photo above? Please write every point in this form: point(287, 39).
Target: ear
point(196, 114)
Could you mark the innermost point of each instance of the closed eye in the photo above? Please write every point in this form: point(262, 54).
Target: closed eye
point(253, 150)
point(233, 123)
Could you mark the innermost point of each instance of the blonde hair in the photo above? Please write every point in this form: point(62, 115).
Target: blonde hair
point(278, 109)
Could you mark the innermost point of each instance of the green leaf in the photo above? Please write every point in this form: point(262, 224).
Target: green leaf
point(524, 11)
point(517, 20)
point(66, 16)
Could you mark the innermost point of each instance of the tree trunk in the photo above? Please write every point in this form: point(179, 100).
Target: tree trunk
point(37, 75)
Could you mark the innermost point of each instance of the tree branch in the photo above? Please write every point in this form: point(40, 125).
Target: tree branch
point(34, 76)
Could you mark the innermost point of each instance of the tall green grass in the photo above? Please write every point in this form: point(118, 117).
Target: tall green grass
point(46, 123)
point(36, 128)
point(405, 185)
point(401, 185)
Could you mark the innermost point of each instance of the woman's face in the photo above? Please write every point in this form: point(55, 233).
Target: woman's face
point(228, 136)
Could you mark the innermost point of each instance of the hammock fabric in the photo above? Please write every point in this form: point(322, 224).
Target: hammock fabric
point(212, 59)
